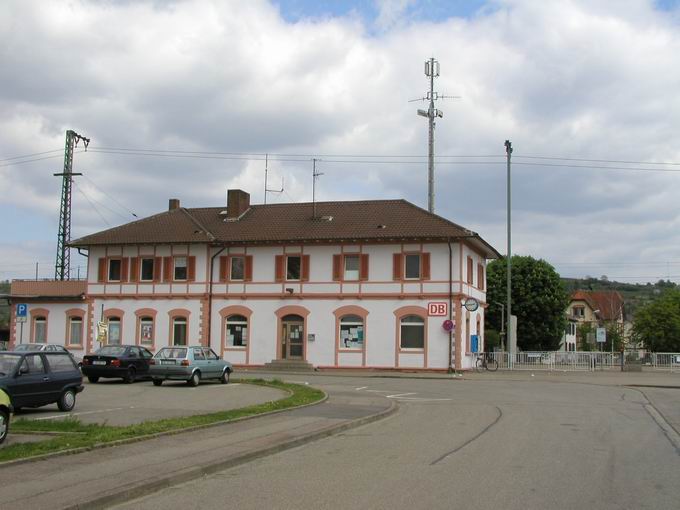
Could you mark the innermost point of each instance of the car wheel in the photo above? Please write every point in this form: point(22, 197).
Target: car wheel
point(93, 379)
point(67, 401)
point(4, 425)
point(195, 379)
point(157, 382)
point(225, 377)
point(129, 376)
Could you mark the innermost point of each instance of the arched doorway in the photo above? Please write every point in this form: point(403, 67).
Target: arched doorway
point(292, 336)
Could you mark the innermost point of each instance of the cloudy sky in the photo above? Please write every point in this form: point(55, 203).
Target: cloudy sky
point(183, 99)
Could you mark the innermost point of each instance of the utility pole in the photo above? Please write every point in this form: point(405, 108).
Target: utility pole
point(508, 152)
point(62, 267)
point(315, 174)
point(266, 189)
point(432, 72)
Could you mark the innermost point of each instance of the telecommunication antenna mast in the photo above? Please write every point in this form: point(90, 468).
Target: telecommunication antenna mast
point(432, 72)
point(315, 175)
point(266, 189)
point(62, 267)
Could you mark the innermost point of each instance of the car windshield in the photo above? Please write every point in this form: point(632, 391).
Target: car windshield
point(8, 364)
point(173, 353)
point(27, 347)
point(111, 350)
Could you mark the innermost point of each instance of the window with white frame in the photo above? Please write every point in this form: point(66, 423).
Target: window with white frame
point(179, 331)
point(237, 331)
point(146, 330)
point(352, 267)
point(579, 311)
point(40, 329)
point(351, 332)
point(412, 332)
point(293, 267)
point(114, 331)
point(75, 330)
point(146, 271)
point(238, 268)
point(180, 268)
point(412, 266)
point(114, 270)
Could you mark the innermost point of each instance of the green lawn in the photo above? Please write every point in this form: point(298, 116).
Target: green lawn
point(74, 434)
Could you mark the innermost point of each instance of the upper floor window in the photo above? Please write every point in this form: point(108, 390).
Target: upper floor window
point(40, 329)
point(412, 266)
point(180, 268)
point(480, 276)
point(579, 311)
point(238, 268)
point(146, 271)
point(352, 267)
point(293, 267)
point(115, 270)
point(470, 276)
point(75, 331)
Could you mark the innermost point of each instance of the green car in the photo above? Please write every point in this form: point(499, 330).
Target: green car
point(190, 364)
point(5, 413)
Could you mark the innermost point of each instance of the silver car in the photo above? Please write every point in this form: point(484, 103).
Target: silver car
point(38, 347)
point(190, 364)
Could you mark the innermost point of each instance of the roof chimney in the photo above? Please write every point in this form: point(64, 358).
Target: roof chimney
point(173, 203)
point(238, 202)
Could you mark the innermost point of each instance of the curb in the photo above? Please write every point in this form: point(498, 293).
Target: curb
point(146, 487)
point(120, 442)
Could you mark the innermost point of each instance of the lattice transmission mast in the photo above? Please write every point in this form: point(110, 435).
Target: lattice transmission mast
point(62, 267)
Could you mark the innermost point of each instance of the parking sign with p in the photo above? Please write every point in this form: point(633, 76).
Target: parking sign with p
point(21, 312)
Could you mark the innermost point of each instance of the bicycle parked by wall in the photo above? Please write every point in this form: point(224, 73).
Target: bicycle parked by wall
point(486, 361)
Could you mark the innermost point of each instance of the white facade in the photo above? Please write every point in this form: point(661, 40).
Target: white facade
point(381, 306)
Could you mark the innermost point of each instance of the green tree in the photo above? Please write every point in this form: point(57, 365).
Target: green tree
point(657, 324)
point(538, 300)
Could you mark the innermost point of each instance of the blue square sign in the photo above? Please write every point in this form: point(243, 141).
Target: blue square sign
point(22, 310)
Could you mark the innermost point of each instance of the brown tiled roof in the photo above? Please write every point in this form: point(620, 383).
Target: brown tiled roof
point(371, 220)
point(48, 288)
point(609, 303)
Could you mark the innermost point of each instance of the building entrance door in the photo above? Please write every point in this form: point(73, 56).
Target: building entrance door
point(292, 337)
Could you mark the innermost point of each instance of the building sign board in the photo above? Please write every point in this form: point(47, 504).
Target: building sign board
point(601, 335)
point(21, 312)
point(438, 309)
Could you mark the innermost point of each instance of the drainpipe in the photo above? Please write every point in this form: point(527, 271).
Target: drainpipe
point(210, 294)
point(451, 368)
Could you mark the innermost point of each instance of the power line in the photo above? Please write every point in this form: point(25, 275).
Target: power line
point(111, 197)
point(31, 155)
point(93, 206)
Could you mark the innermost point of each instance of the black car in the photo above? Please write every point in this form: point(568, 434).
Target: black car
point(128, 362)
point(34, 379)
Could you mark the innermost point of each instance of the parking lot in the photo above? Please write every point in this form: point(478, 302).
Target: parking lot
point(112, 402)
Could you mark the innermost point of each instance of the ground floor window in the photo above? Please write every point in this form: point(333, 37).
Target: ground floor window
point(114, 331)
point(146, 330)
point(40, 330)
point(237, 331)
point(75, 331)
point(351, 332)
point(412, 332)
point(179, 331)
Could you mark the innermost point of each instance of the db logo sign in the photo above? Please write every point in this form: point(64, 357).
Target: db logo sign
point(438, 309)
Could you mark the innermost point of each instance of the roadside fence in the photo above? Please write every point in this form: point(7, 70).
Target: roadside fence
point(585, 361)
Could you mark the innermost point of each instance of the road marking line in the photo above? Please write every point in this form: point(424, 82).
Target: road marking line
point(362, 388)
point(381, 391)
point(422, 399)
point(81, 414)
point(397, 395)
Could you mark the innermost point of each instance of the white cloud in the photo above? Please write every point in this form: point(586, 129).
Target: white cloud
point(573, 78)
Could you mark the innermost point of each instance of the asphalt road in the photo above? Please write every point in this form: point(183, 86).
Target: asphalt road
point(114, 403)
point(481, 444)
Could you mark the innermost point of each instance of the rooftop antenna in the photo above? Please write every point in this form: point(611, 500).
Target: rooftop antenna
point(267, 190)
point(315, 174)
point(432, 72)
point(62, 267)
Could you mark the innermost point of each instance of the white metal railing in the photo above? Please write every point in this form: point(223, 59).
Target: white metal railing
point(573, 361)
